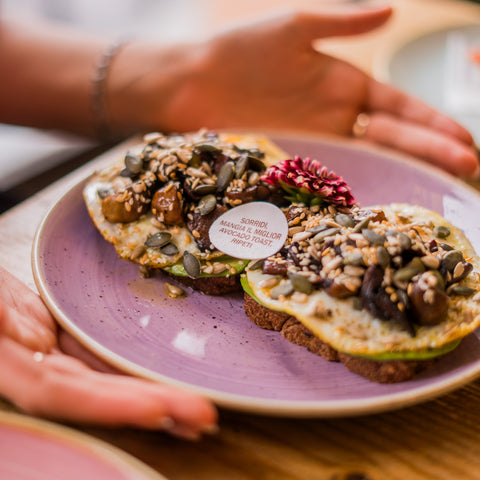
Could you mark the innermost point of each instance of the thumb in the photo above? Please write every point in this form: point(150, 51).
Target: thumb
point(341, 22)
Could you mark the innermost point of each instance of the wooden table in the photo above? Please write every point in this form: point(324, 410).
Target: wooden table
point(438, 440)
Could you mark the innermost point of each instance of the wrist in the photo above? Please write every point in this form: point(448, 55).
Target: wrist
point(147, 85)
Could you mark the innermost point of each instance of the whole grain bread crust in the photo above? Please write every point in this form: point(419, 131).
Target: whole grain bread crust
point(388, 371)
point(211, 285)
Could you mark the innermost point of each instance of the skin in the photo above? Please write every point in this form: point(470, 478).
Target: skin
point(263, 75)
point(268, 76)
point(65, 388)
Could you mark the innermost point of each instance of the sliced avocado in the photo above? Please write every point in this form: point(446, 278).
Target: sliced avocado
point(237, 264)
point(248, 289)
point(420, 355)
point(382, 357)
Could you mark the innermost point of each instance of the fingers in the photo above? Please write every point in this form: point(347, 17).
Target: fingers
point(64, 388)
point(349, 20)
point(444, 150)
point(26, 330)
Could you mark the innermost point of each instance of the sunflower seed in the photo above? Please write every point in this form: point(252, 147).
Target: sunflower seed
point(173, 291)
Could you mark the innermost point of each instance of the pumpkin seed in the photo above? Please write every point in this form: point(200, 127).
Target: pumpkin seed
point(158, 239)
point(300, 283)
point(405, 241)
point(446, 247)
point(104, 192)
point(451, 259)
point(383, 257)
point(253, 152)
point(345, 220)
point(417, 264)
point(206, 204)
point(205, 189)
point(317, 229)
point(357, 303)
point(409, 271)
point(440, 231)
point(362, 224)
point(169, 249)
point(462, 290)
point(402, 296)
point(225, 176)
point(256, 264)
point(319, 237)
point(256, 153)
point(133, 163)
point(241, 165)
point(373, 237)
point(254, 163)
point(191, 264)
point(284, 289)
point(207, 147)
point(353, 259)
point(404, 274)
point(195, 160)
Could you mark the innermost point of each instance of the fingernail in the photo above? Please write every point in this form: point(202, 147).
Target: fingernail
point(168, 424)
point(211, 429)
point(476, 173)
point(184, 432)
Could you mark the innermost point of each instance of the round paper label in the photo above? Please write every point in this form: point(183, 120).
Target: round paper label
point(251, 231)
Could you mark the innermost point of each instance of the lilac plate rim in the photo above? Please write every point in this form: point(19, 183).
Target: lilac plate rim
point(102, 451)
point(252, 404)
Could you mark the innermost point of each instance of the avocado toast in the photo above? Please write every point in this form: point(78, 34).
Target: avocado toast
point(156, 204)
point(385, 290)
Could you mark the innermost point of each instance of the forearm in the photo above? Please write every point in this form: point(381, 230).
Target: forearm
point(46, 76)
point(47, 73)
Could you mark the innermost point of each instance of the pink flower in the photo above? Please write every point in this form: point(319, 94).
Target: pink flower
point(308, 181)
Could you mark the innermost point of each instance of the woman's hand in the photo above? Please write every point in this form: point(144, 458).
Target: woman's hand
point(267, 75)
point(41, 380)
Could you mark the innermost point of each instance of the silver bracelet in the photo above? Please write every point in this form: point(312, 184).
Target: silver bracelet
point(98, 92)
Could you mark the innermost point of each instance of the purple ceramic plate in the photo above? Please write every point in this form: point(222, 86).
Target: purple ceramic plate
point(32, 449)
point(207, 344)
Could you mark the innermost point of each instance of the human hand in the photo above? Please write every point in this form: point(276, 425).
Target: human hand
point(41, 380)
point(267, 75)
